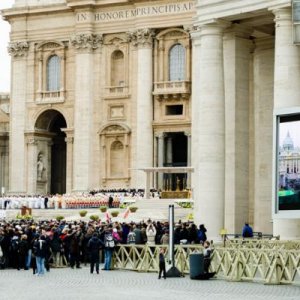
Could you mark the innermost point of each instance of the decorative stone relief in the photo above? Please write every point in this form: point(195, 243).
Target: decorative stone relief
point(114, 128)
point(18, 49)
point(142, 37)
point(117, 112)
point(86, 41)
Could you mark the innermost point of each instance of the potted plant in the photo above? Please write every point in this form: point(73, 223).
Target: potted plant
point(94, 217)
point(83, 213)
point(103, 208)
point(133, 209)
point(114, 213)
point(59, 218)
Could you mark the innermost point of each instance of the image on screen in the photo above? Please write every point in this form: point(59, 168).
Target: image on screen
point(288, 162)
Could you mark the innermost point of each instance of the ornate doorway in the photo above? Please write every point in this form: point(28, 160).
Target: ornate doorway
point(51, 152)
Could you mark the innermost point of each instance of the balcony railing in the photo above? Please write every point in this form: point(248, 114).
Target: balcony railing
point(166, 89)
point(116, 91)
point(51, 97)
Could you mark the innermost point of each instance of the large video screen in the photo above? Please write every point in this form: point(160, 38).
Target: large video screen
point(288, 163)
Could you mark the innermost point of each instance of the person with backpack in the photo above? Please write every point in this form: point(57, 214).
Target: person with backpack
point(109, 246)
point(94, 245)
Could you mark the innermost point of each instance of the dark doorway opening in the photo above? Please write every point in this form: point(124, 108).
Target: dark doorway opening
point(58, 155)
point(175, 156)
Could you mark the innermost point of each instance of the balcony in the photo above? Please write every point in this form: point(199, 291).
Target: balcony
point(47, 97)
point(169, 90)
point(116, 92)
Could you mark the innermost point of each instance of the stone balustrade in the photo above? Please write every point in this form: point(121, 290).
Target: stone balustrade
point(172, 89)
point(50, 97)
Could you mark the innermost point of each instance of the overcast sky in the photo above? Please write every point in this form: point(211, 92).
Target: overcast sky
point(4, 57)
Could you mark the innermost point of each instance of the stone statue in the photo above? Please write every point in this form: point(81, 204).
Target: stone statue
point(40, 167)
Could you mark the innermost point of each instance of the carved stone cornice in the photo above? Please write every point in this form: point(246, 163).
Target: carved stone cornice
point(142, 37)
point(18, 49)
point(86, 41)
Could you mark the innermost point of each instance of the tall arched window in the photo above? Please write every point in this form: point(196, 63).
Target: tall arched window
point(117, 159)
point(177, 63)
point(117, 68)
point(53, 73)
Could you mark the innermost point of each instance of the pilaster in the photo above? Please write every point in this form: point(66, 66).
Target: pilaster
point(17, 175)
point(237, 56)
point(142, 40)
point(84, 45)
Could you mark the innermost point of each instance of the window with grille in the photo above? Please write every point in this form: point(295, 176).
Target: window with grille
point(53, 73)
point(177, 63)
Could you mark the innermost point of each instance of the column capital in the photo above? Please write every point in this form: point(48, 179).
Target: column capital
point(160, 135)
point(283, 16)
point(142, 38)
point(86, 41)
point(18, 49)
point(69, 139)
point(213, 27)
point(31, 141)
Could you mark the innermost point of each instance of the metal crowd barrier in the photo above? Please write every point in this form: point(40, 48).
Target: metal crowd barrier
point(265, 265)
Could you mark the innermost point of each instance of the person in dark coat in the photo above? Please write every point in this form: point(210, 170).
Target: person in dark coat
point(23, 252)
point(247, 231)
point(94, 246)
point(41, 249)
point(202, 234)
point(162, 264)
point(110, 201)
point(75, 245)
point(56, 247)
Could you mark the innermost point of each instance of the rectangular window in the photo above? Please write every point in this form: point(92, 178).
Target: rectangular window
point(288, 162)
point(174, 110)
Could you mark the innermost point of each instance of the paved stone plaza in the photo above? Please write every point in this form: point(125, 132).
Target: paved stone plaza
point(79, 284)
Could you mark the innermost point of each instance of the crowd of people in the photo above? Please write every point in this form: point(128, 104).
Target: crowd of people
point(29, 244)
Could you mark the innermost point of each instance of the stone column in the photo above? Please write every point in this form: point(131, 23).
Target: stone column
point(237, 48)
point(142, 39)
point(31, 165)
point(69, 167)
point(160, 158)
point(208, 123)
point(169, 153)
point(189, 160)
point(17, 173)
point(286, 93)
point(84, 45)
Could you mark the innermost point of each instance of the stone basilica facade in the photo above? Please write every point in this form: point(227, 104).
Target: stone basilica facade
point(102, 88)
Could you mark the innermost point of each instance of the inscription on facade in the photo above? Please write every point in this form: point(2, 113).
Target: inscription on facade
point(137, 12)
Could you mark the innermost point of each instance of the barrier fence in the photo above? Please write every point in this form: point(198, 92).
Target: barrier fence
point(262, 244)
point(265, 265)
